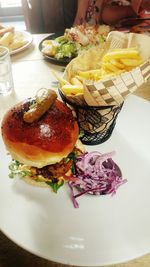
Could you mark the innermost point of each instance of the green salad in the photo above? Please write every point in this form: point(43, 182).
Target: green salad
point(74, 41)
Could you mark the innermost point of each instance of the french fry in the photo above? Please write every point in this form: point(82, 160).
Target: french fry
point(121, 53)
point(60, 80)
point(112, 64)
point(72, 89)
point(91, 74)
point(110, 67)
point(119, 60)
point(131, 62)
point(76, 81)
point(6, 39)
point(117, 63)
point(81, 79)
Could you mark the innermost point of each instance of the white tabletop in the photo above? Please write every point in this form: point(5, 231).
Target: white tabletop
point(31, 72)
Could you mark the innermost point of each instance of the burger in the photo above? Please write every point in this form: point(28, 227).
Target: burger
point(41, 136)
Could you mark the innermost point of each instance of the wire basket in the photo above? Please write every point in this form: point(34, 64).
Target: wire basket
point(96, 123)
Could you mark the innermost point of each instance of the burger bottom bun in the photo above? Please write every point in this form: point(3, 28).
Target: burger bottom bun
point(31, 181)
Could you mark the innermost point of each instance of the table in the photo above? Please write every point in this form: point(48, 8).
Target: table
point(27, 67)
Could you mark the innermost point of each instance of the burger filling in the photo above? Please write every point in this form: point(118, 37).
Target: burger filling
point(53, 175)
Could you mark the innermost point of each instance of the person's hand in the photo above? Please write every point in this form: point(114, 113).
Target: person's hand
point(81, 12)
point(4, 29)
point(145, 4)
point(138, 5)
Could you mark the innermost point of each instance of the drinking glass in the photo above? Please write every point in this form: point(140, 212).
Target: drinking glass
point(6, 79)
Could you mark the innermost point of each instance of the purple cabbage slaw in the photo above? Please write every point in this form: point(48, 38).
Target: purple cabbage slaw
point(95, 174)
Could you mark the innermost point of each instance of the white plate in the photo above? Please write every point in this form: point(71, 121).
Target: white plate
point(29, 39)
point(104, 230)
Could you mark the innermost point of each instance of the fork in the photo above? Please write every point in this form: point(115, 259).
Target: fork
point(130, 22)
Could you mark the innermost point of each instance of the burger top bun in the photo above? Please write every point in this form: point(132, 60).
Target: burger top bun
point(44, 141)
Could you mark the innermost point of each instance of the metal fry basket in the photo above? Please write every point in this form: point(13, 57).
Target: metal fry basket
point(96, 123)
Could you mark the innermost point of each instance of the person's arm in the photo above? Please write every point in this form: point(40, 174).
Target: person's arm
point(81, 12)
point(138, 5)
point(89, 11)
point(146, 5)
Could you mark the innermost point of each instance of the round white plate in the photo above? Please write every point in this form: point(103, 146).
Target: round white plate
point(28, 37)
point(104, 229)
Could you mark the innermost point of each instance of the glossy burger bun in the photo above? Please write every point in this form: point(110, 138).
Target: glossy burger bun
point(43, 142)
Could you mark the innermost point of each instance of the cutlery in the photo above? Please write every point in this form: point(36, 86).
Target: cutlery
point(131, 22)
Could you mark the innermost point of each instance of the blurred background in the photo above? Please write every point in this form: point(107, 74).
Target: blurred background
point(11, 13)
point(38, 16)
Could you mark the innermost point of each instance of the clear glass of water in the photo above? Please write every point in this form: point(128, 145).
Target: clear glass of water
point(6, 79)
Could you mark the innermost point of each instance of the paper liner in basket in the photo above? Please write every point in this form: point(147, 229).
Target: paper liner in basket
point(115, 89)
